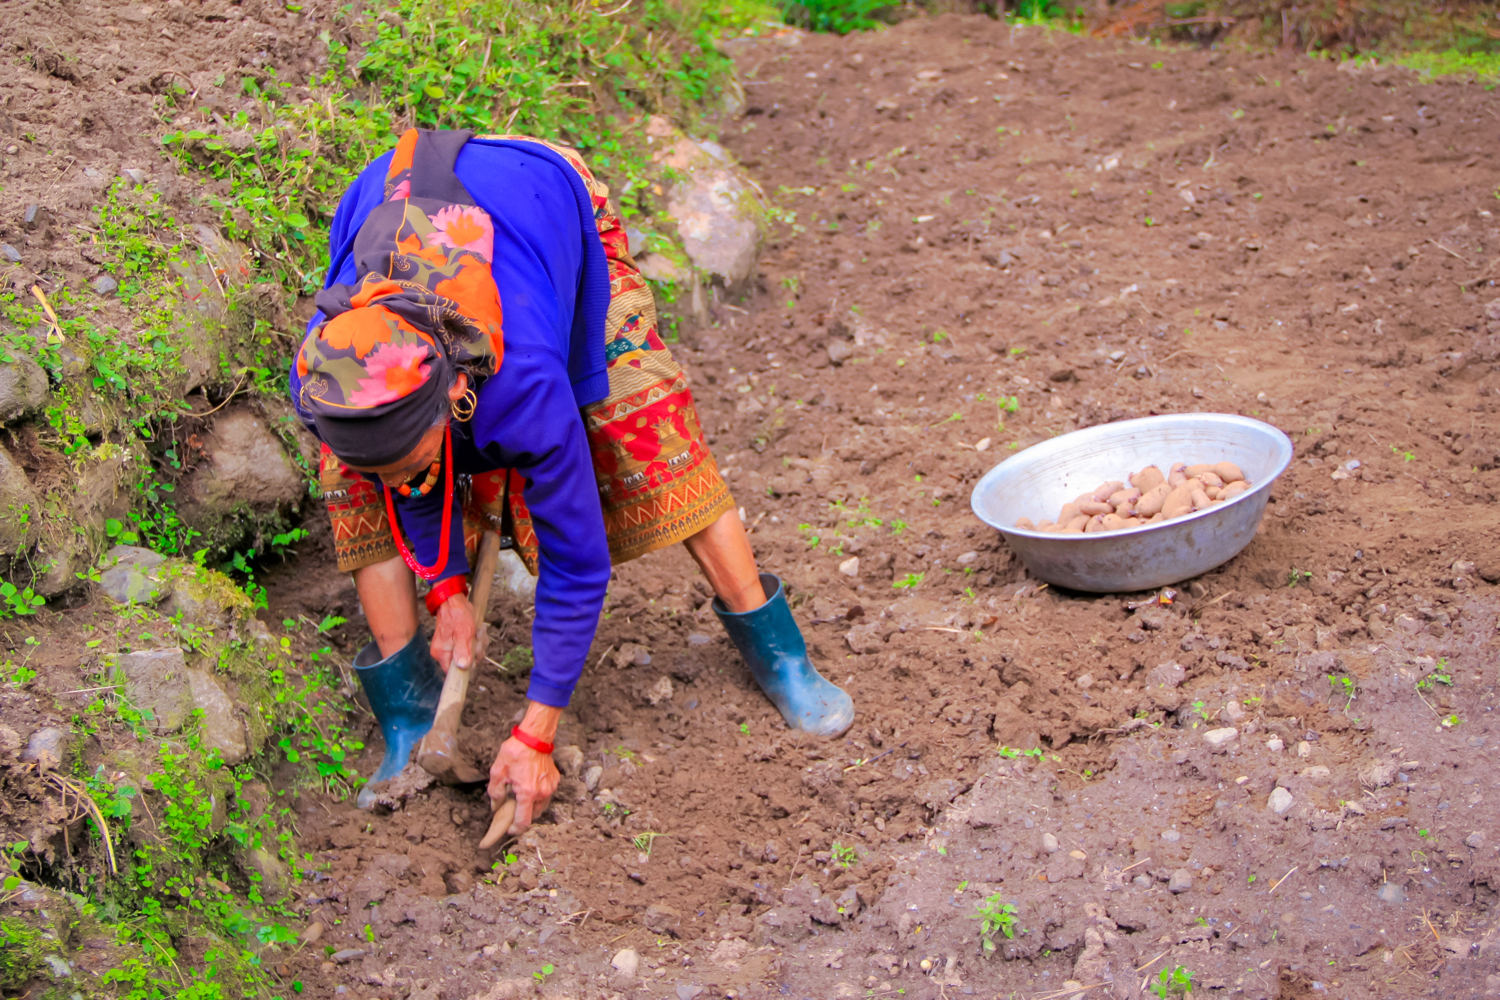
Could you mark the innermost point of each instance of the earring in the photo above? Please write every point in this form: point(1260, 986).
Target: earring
point(464, 406)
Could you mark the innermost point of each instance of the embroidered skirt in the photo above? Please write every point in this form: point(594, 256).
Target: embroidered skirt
point(658, 483)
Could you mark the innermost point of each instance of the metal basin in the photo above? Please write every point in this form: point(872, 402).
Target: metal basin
point(1035, 483)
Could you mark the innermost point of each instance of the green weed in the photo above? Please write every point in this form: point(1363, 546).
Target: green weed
point(909, 582)
point(995, 916)
point(844, 857)
point(1176, 981)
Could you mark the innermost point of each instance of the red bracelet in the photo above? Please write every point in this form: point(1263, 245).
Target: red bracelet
point(530, 740)
point(440, 592)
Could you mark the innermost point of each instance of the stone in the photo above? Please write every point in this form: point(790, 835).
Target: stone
point(1317, 772)
point(965, 558)
point(348, 955)
point(132, 575)
point(865, 639)
point(660, 918)
point(1181, 881)
point(157, 682)
point(222, 726)
point(728, 954)
point(632, 654)
point(688, 991)
point(513, 577)
point(568, 760)
point(660, 691)
point(10, 253)
point(591, 777)
point(246, 471)
point(20, 505)
point(1280, 801)
point(1050, 844)
point(1474, 840)
point(104, 285)
point(1171, 836)
point(850, 567)
point(719, 217)
point(1391, 892)
point(23, 387)
point(271, 869)
point(1275, 745)
point(10, 740)
point(635, 240)
point(626, 962)
point(1170, 675)
point(35, 217)
point(1219, 739)
point(659, 267)
point(1304, 748)
point(839, 351)
point(1233, 712)
point(45, 748)
point(135, 175)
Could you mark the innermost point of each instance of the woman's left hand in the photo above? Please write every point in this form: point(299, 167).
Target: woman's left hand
point(453, 639)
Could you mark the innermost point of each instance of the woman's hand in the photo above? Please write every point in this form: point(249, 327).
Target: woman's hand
point(453, 639)
point(532, 776)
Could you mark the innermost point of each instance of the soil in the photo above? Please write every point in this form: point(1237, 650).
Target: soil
point(984, 213)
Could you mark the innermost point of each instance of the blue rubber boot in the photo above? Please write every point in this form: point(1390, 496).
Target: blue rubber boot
point(403, 690)
point(772, 645)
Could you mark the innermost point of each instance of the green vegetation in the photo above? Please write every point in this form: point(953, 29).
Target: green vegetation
point(844, 857)
point(1176, 981)
point(995, 916)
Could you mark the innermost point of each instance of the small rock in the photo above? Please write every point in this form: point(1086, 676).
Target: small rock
point(1474, 840)
point(568, 760)
point(1275, 745)
point(1181, 881)
point(23, 387)
point(983, 444)
point(967, 557)
point(1317, 773)
point(1304, 748)
point(1391, 892)
point(105, 285)
point(660, 691)
point(688, 991)
point(635, 239)
point(45, 748)
point(840, 351)
point(1171, 836)
point(1233, 712)
point(314, 932)
point(865, 639)
point(850, 567)
point(591, 777)
point(60, 968)
point(632, 654)
point(35, 217)
point(1280, 801)
point(130, 576)
point(1141, 881)
point(347, 955)
point(10, 253)
point(626, 962)
point(1085, 681)
point(156, 680)
point(134, 174)
point(1219, 739)
point(1169, 675)
point(699, 639)
point(1050, 844)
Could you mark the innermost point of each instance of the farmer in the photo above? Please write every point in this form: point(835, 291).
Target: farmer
point(485, 356)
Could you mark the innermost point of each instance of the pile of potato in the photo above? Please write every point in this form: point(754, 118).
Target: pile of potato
point(1149, 498)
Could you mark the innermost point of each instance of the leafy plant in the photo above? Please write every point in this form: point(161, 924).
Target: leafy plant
point(909, 581)
point(1011, 753)
point(1174, 981)
point(15, 602)
point(1297, 576)
point(844, 857)
point(839, 17)
point(644, 841)
point(995, 916)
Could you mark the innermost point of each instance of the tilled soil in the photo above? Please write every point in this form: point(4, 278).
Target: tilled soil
point(1099, 231)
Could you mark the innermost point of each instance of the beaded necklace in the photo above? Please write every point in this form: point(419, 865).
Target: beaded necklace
point(428, 572)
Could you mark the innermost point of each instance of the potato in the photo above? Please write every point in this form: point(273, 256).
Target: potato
point(1044, 525)
point(1152, 501)
point(1178, 502)
point(1070, 531)
point(1069, 511)
point(1210, 479)
point(1096, 523)
point(1133, 522)
point(1177, 475)
point(1197, 470)
point(1025, 522)
point(1233, 490)
point(1147, 479)
point(1103, 492)
point(1113, 522)
point(1229, 472)
point(1077, 523)
point(1128, 496)
point(1200, 500)
point(1213, 492)
point(1095, 507)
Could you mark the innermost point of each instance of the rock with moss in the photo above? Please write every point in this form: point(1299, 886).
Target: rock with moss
point(23, 387)
point(246, 483)
point(133, 575)
point(719, 215)
point(20, 507)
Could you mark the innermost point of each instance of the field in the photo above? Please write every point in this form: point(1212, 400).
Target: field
point(987, 236)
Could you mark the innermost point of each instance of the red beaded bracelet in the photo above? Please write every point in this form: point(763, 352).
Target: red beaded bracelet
point(530, 740)
point(440, 592)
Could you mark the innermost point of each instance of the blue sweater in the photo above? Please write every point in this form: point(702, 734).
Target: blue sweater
point(554, 289)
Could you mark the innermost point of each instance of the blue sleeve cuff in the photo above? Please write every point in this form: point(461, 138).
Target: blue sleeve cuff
point(548, 694)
